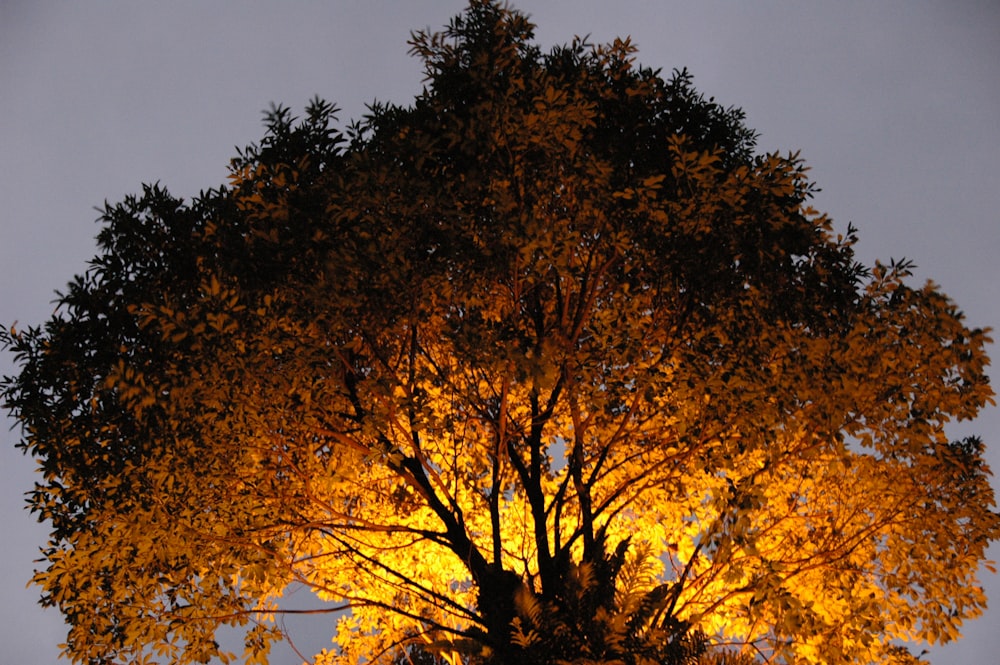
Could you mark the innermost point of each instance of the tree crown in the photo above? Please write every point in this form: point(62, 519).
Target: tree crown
point(549, 366)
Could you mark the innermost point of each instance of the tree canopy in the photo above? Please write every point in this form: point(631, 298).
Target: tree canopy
point(550, 365)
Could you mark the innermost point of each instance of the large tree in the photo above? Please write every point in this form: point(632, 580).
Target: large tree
point(549, 366)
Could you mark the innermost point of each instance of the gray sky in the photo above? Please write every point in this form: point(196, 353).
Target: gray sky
point(895, 105)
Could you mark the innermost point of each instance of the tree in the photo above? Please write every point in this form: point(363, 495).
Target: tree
point(549, 366)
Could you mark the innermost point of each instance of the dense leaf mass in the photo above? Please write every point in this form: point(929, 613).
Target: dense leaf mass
point(549, 366)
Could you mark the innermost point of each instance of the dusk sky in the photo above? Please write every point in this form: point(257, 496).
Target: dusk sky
point(895, 106)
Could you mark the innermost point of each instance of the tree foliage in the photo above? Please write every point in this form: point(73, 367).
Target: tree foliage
point(549, 366)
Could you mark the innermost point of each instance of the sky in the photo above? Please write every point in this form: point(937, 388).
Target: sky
point(894, 105)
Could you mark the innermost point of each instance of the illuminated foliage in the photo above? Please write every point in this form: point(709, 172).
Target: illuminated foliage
point(550, 366)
